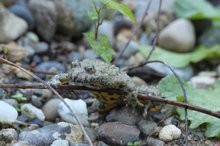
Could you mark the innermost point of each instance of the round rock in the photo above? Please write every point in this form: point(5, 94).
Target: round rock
point(169, 132)
point(50, 109)
point(11, 26)
point(79, 109)
point(178, 36)
point(32, 112)
point(8, 113)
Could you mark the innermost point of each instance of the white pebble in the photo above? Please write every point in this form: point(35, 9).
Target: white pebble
point(32, 112)
point(79, 109)
point(169, 132)
point(8, 113)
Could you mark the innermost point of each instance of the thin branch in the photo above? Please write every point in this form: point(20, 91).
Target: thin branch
point(140, 96)
point(133, 33)
point(53, 90)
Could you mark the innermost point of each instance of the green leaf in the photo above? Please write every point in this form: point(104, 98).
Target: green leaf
point(19, 97)
point(181, 59)
point(93, 16)
point(111, 4)
point(101, 46)
point(196, 9)
point(206, 98)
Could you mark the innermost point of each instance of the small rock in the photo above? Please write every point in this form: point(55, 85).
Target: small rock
point(8, 113)
point(8, 2)
point(2, 93)
point(60, 142)
point(202, 81)
point(20, 9)
point(41, 47)
point(178, 36)
point(47, 134)
point(8, 30)
point(138, 81)
point(15, 52)
point(210, 37)
point(51, 65)
point(79, 109)
point(130, 50)
point(154, 142)
point(115, 133)
point(73, 20)
point(73, 56)
point(45, 14)
point(21, 74)
point(101, 143)
point(106, 28)
point(36, 101)
point(8, 136)
point(218, 70)
point(169, 133)
point(50, 109)
point(147, 127)
point(32, 112)
point(124, 115)
point(81, 144)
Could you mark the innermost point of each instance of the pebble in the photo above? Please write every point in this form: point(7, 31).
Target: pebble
point(218, 70)
point(154, 142)
point(8, 30)
point(8, 136)
point(36, 101)
point(138, 81)
point(124, 115)
point(47, 134)
point(73, 20)
point(147, 127)
point(21, 10)
point(50, 65)
point(32, 112)
point(169, 133)
point(90, 54)
point(41, 47)
point(8, 113)
point(15, 52)
point(202, 81)
point(45, 15)
point(79, 109)
point(2, 93)
point(60, 142)
point(21, 143)
point(115, 133)
point(178, 36)
point(50, 109)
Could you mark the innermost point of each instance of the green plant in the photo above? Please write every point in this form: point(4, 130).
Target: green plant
point(136, 143)
point(101, 43)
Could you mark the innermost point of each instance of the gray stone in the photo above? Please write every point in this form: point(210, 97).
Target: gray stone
point(79, 109)
point(47, 134)
point(36, 101)
point(11, 26)
point(218, 70)
point(60, 142)
point(32, 112)
point(124, 115)
point(73, 20)
point(210, 37)
point(20, 9)
point(130, 50)
point(45, 14)
point(50, 109)
point(8, 136)
point(41, 47)
point(90, 54)
point(154, 142)
point(178, 36)
point(147, 127)
point(115, 133)
point(8, 113)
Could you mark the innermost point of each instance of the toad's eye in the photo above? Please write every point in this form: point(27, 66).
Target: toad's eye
point(89, 69)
